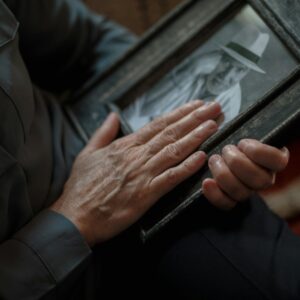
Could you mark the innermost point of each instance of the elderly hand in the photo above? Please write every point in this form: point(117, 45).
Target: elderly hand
point(240, 170)
point(113, 184)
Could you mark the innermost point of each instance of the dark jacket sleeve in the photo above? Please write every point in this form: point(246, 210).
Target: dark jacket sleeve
point(39, 257)
point(63, 43)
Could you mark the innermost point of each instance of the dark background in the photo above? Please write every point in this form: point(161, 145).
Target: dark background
point(137, 15)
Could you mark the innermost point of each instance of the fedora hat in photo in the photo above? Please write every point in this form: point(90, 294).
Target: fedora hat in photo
point(248, 47)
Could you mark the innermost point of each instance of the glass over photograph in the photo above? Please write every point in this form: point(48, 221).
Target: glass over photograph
point(235, 67)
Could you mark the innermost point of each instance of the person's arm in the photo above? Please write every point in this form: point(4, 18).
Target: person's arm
point(47, 254)
point(36, 260)
point(63, 43)
point(112, 184)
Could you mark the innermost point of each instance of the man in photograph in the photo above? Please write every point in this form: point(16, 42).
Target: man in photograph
point(211, 76)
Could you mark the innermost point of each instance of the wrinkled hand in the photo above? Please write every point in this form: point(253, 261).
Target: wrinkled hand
point(113, 184)
point(240, 170)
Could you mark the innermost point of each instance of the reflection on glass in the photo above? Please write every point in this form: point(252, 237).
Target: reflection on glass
point(235, 67)
point(288, 11)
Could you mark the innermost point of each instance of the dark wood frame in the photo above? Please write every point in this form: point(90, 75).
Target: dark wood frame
point(172, 39)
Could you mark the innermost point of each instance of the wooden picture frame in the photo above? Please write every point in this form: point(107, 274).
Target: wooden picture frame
point(173, 39)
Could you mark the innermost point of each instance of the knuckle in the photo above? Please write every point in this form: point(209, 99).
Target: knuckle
point(151, 148)
point(171, 177)
point(283, 161)
point(115, 145)
point(143, 193)
point(171, 133)
point(138, 139)
point(250, 150)
point(211, 124)
point(233, 161)
point(173, 152)
point(205, 130)
point(261, 182)
point(188, 166)
point(199, 133)
point(122, 143)
point(198, 115)
point(158, 125)
point(182, 111)
point(221, 176)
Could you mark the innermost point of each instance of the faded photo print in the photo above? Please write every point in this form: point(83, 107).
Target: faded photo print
point(235, 67)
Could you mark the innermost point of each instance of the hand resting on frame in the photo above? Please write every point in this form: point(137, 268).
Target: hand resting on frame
point(114, 182)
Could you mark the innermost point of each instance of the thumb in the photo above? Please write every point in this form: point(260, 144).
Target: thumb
point(104, 134)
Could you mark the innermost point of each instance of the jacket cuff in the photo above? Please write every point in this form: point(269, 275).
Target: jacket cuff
point(57, 242)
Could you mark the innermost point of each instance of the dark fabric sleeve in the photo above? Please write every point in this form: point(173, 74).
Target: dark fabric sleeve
point(40, 256)
point(63, 43)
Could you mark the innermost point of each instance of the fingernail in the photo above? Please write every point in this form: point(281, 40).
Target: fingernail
point(108, 119)
point(228, 148)
point(109, 116)
point(214, 159)
point(215, 105)
point(244, 142)
point(210, 124)
point(243, 145)
point(202, 154)
point(211, 103)
point(197, 101)
point(285, 150)
point(192, 103)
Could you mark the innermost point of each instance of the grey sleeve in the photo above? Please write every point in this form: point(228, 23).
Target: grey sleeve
point(41, 256)
point(63, 43)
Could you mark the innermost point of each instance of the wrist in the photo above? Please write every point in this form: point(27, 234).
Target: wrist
point(83, 229)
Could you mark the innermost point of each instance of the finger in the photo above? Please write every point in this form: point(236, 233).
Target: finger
point(176, 152)
point(150, 130)
point(226, 180)
point(179, 129)
point(249, 173)
point(216, 196)
point(264, 155)
point(105, 134)
point(168, 180)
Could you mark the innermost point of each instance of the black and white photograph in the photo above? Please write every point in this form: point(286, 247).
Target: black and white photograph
point(228, 68)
